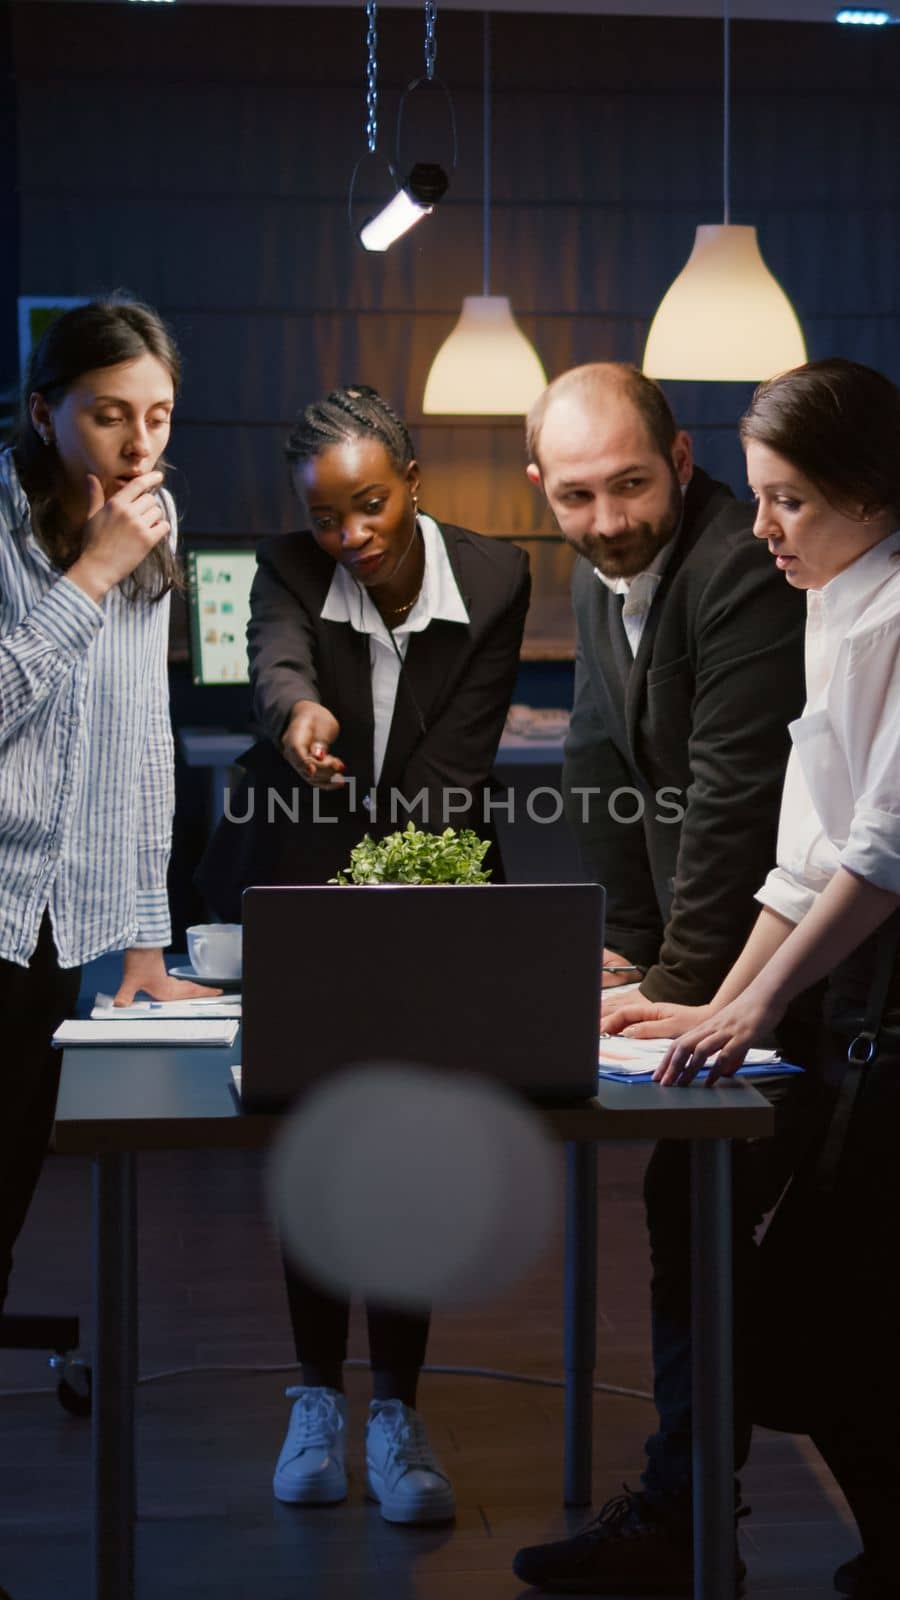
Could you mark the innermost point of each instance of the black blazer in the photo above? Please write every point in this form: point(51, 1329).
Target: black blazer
point(457, 680)
point(700, 714)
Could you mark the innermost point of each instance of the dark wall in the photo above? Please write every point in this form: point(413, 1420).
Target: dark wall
point(9, 220)
point(201, 157)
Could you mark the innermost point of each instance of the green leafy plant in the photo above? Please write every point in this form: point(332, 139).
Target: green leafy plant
point(416, 857)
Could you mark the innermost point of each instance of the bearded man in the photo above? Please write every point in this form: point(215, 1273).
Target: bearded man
point(689, 666)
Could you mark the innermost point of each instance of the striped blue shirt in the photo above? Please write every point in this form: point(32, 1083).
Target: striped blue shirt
point(86, 755)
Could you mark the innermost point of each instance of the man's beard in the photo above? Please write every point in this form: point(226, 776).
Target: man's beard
point(627, 554)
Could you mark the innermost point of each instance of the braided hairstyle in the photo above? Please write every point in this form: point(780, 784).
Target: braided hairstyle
point(356, 412)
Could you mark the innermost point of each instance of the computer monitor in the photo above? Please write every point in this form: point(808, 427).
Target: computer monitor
point(219, 579)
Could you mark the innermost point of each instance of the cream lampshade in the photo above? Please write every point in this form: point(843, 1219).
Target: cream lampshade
point(725, 319)
point(486, 367)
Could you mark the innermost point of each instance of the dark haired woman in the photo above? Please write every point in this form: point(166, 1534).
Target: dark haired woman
point(823, 459)
point(383, 649)
point(86, 781)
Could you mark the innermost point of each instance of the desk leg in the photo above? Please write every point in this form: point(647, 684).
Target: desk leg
point(115, 1371)
point(580, 1318)
point(713, 1368)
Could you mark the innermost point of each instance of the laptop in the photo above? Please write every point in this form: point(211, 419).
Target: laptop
point(500, 979)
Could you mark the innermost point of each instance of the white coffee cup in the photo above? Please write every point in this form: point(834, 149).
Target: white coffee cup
point(215, 949)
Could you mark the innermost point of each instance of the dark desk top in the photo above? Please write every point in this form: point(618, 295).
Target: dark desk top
point(170, 1099)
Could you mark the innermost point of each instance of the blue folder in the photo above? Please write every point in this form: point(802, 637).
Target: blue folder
point(757, 1069)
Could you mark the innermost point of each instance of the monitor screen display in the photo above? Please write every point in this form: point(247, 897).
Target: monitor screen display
point(219, 598)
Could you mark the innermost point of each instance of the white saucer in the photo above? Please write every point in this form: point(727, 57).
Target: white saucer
point(197, 977)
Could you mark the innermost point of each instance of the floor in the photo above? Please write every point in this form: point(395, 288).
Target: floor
point(208, 1436)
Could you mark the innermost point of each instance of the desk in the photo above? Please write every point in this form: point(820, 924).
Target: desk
point(115, 1103)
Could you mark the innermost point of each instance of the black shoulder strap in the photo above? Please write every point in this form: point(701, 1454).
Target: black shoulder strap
point(860, 1051)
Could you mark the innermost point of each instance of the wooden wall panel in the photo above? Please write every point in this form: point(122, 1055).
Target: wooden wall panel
point(201, 157)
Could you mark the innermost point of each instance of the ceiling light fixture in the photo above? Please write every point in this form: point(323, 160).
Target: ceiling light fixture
point(725, 319)
point(417, 199)
point(865, 19)
point(486, 366)
point(427, 182)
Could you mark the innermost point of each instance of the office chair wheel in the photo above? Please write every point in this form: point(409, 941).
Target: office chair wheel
point(75, 1387)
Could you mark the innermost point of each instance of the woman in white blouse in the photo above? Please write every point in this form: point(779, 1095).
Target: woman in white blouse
point(823, 460)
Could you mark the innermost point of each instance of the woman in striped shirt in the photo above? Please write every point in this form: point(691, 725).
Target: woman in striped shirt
point(86, 768)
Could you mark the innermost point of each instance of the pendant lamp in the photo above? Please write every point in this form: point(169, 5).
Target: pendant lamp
point(486, 367)
point(725, 319)
point(418, 195)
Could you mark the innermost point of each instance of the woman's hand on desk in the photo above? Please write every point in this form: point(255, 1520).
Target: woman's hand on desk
point(306, 741)
point(726, 1033)
point(146, 970)
point(653, 1019)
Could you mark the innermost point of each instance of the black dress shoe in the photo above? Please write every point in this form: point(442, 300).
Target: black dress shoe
point(847, 1575)
point(631, 1548)
point(873, 1583)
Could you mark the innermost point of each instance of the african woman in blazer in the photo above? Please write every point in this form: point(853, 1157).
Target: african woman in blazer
point(308, 647)
point(383, 653)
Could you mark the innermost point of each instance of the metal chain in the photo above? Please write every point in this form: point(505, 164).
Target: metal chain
point(430, 40)
point(372, 76)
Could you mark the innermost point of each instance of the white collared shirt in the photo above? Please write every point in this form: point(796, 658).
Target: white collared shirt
point(841, 800)
point(439, 599)
point(640, 590)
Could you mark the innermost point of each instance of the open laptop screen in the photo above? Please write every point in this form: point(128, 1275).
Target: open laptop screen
point(498, 979)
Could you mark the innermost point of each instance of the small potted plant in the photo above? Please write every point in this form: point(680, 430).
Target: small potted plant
point(411, 856)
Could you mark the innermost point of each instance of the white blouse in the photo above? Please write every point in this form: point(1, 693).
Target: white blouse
point(439, 597)
point(841, 800)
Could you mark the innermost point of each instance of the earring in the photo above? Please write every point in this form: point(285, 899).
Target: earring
point(47, 438)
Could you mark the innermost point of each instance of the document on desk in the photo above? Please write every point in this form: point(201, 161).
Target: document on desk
point(164, 1031)
point(149, 1010)
point(623, 1058)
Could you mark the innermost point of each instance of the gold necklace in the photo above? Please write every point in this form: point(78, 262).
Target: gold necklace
point(400, 611)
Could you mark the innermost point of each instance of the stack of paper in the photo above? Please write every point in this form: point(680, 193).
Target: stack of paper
point(160, 1031)
point(151, 1010)
point(622, 1057)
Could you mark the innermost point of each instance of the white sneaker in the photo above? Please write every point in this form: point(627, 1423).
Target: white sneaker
point(402, 1472)
point(310, 1469)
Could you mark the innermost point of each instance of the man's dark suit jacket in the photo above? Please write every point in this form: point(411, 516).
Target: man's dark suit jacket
point(456, 683)
point(700, 713)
